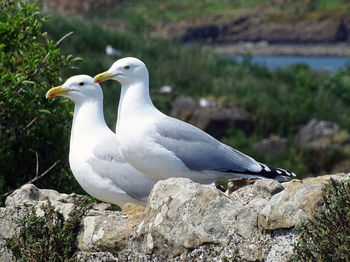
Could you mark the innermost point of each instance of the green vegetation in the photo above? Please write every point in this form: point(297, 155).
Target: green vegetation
point(280, 101)
point(151, 15)
point(33, 131)
point(47, 238)
point(326, 236)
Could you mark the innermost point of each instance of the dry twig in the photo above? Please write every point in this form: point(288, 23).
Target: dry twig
point(34, 179)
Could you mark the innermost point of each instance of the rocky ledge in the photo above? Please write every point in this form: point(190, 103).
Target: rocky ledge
point(184, 221)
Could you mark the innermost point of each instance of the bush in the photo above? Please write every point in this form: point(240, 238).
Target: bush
point(49, 237)
point(34, 132)
point(326, 236)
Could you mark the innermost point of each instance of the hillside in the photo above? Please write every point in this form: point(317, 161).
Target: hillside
point(220, 22)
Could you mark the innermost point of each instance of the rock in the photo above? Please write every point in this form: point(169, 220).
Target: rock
point(319, 134)
point(178, 211)
point(204, 33)
point(183, 108)
point(235, 183)
point(182, 216)
point(97, 256)
point(29, 194)
point(184, 221)
point(216, 121)
point(267, 188)
point(326, 145)
point(299, 201)
point(270, 146)
point(105, 231)
point(213, 120)
point(133, 211)
point(252, 28)
point(8, 218)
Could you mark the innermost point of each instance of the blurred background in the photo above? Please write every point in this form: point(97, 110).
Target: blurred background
point(268, 77)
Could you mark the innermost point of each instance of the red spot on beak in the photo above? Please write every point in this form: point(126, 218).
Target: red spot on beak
point(98, 81)
point(52, 95)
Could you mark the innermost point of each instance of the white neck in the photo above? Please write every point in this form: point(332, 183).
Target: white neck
point(133, 98)
point(88, 118)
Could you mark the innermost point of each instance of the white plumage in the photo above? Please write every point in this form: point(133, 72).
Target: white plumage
point(162, 147)
point(94, 154)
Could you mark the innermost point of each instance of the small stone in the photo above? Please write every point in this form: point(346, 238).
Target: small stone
point(267, 187)
point(149, 244)
point(102, 206)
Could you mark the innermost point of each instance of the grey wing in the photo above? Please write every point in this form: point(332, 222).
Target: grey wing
point(200, 151)
point(108, 162)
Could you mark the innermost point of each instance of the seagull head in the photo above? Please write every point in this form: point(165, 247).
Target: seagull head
point(127, 71)
point(78, 88)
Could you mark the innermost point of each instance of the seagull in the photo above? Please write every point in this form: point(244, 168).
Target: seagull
point(162, 147)
point(94, 154)
point(111, 51)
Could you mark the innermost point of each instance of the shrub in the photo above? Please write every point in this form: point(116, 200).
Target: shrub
point(34, 132)
point(49, 237)
point(326, 236)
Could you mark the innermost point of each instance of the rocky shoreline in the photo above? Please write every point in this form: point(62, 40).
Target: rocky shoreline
point(263, 48)
point(183, 221)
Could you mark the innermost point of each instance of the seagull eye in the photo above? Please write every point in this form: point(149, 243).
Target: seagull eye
point(126, 67)
point(81, 83)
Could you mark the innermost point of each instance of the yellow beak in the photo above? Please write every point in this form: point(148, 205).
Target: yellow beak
point(56, 91)
point(103, 77)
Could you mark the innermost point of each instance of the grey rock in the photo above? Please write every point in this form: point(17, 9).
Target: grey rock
point(319, 134)
point(270, 146)
point(182, 215)
point(104, 231)
point(216, 121)
point(213, 120)
point(185, 221)
point(84, 256)
point(267, 188)
point(183, 107)
point(8, 225)
point(246, 220)
point(234, 184)
point(29, 194)
point(299, 201)
point(186, 214)
point(252, 28)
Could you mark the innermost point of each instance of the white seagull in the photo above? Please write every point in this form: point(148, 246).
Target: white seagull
point(162, 147)
point(94, 154)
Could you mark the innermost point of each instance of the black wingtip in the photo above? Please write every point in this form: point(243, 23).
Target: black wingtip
point(275, 173)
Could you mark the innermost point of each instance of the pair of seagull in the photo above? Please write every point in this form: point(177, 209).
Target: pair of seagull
point(148, 145)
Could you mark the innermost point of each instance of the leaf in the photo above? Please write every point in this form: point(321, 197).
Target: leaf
point(44, 111)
